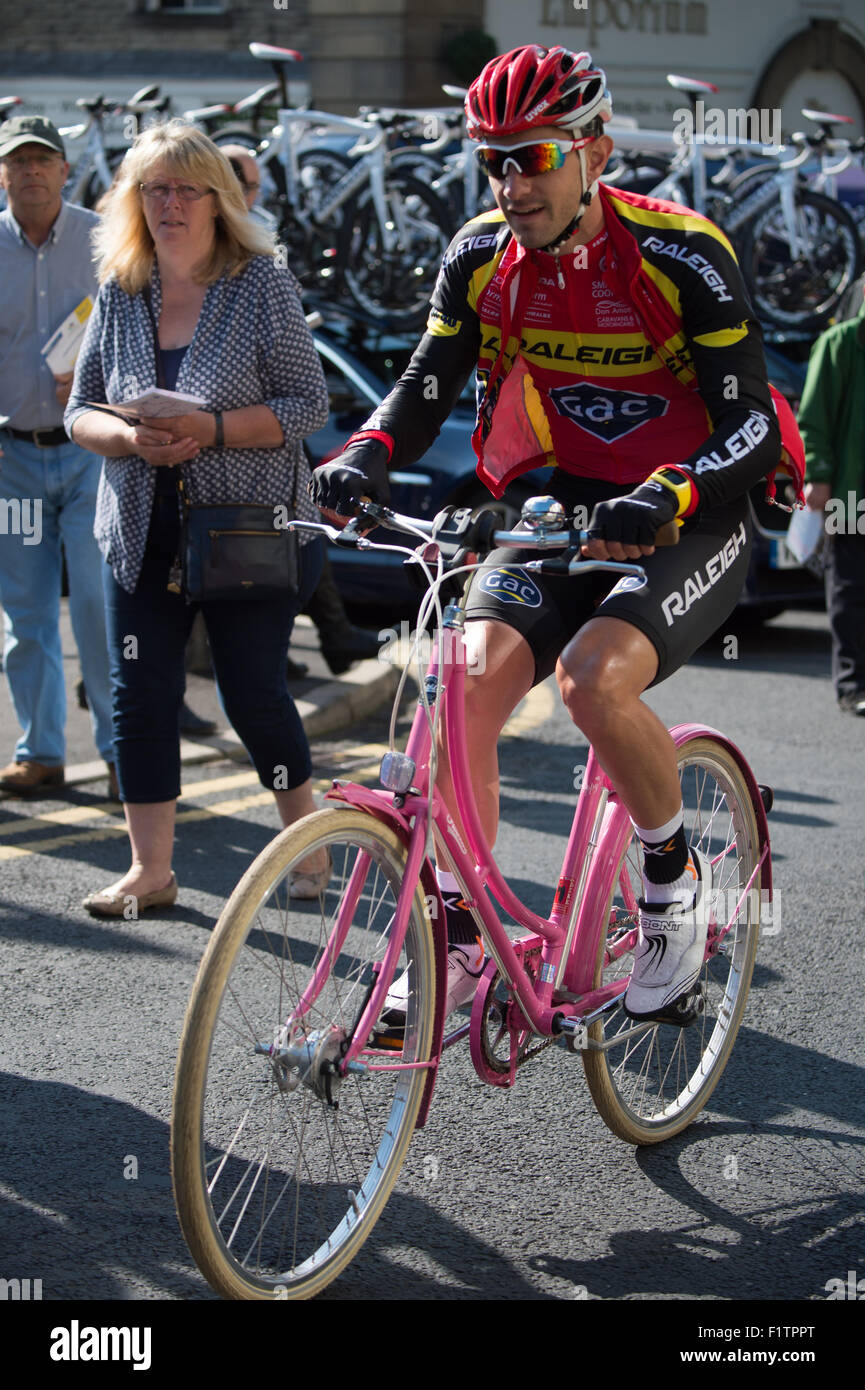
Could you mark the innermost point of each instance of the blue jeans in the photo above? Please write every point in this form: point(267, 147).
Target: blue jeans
point(147, 635)
point(47, 502)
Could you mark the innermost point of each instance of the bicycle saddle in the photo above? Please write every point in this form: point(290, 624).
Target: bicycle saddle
point(690, 84)
point(825, 119)
point(149, 93)
point(263, 97)
point(206, 113)
point(269, 53)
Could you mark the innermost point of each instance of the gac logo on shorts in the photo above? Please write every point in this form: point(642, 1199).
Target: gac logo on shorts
point(512, 586)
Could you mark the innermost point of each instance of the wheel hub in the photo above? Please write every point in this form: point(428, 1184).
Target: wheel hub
point(310, 1060)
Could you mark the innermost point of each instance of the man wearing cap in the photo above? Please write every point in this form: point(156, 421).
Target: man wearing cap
point(47, 484)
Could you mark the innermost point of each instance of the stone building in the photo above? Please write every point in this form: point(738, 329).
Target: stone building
point(780, 55)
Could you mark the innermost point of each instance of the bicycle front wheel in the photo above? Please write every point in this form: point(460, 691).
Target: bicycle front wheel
point(649, 1081)
point(390, 270)
point(281, 1164)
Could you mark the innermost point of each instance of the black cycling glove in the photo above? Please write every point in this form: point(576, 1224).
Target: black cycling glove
point(636, 518)
point(359, 472)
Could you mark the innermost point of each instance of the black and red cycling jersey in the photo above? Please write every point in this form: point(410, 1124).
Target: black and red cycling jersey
point(636, 351)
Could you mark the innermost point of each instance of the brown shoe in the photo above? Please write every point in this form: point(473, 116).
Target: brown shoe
point(28, 777)
point(126, 905)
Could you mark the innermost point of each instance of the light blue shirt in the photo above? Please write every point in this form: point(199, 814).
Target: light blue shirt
point(39, 288)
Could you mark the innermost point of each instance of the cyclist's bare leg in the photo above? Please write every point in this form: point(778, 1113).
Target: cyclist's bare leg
point(602, 674)
point(506, 669)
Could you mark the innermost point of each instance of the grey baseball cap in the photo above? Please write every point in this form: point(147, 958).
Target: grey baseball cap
point(29, 130)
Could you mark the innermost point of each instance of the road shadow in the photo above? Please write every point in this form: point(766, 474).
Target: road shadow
point(87, 1207)
point(733, 1243)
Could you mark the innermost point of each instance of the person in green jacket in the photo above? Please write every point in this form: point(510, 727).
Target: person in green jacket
point(832, 422)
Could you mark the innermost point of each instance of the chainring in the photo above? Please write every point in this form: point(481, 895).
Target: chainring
point(501, 1037)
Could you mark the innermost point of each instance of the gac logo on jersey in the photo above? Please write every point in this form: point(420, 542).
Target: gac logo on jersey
point(512, 586)
point(608, 415)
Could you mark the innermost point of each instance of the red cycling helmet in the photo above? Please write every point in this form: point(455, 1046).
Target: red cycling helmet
point(535, 86)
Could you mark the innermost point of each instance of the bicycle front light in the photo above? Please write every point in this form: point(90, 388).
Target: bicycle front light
point(397, 772)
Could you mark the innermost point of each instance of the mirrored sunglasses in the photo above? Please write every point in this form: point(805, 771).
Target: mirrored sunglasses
point(186, 192)
point(533, 157)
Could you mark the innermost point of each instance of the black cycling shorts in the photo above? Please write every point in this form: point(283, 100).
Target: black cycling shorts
point(691, 587)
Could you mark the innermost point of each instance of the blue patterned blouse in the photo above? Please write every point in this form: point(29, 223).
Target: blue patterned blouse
point(251, 346)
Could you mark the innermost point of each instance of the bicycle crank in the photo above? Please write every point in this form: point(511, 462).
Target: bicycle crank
point(500, 1036)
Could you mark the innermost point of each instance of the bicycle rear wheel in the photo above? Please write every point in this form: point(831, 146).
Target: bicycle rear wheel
point(281, 1166)
point(805, 290)
point(649, 1081)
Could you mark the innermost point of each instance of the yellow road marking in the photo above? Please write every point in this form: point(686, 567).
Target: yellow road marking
point(537, 706)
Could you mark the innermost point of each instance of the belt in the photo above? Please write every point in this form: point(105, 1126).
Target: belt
point(47, 438)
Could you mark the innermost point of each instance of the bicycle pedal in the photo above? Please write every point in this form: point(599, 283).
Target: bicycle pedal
point(681, 1012)
point(386, 1038)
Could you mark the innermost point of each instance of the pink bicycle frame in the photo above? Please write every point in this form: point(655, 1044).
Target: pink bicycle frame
point(570, 936)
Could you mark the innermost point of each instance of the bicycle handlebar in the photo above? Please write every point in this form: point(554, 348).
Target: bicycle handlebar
point(478, 537)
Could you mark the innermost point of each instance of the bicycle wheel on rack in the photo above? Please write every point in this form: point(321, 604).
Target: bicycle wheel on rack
point(311, 240)
point(393, 285)
point(649, 1081)
point(281, 1166)
point(802, 290)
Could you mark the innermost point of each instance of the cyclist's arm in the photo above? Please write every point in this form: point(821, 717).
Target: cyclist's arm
point(411, 416)
point(745, 443)
point(726, 347)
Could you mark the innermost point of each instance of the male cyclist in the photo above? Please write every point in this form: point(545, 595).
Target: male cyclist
point(613, 339)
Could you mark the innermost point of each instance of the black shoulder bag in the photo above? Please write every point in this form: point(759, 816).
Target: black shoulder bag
point(231, 550)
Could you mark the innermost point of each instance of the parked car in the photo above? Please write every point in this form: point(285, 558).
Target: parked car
point(360, 367)
point(444, 477)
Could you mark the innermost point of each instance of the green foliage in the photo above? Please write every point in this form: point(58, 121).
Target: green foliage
point(466, 53)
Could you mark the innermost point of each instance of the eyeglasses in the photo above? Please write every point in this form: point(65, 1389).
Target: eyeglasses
point(535, 156)
point(186, 192)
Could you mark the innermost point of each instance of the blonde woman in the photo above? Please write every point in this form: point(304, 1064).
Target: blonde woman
point(191, 296)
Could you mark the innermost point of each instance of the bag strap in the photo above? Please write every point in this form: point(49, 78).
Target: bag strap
point(160, 374)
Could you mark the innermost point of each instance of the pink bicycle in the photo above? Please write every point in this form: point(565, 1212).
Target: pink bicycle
point(292, 1118)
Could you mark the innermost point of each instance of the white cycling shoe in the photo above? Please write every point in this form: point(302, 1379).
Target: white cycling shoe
point(670, 951)
point(465, 967)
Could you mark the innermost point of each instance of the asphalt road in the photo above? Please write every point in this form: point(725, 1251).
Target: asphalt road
point(505, 1195)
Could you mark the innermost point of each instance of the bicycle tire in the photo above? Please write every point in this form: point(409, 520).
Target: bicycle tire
point(429, 171)
point(312, 244)
point(807, 292)
point(638, 176)
point(652, 1084)
point(394, 287)
point(95, 189)
point(275, 1188)
point(235, 135)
